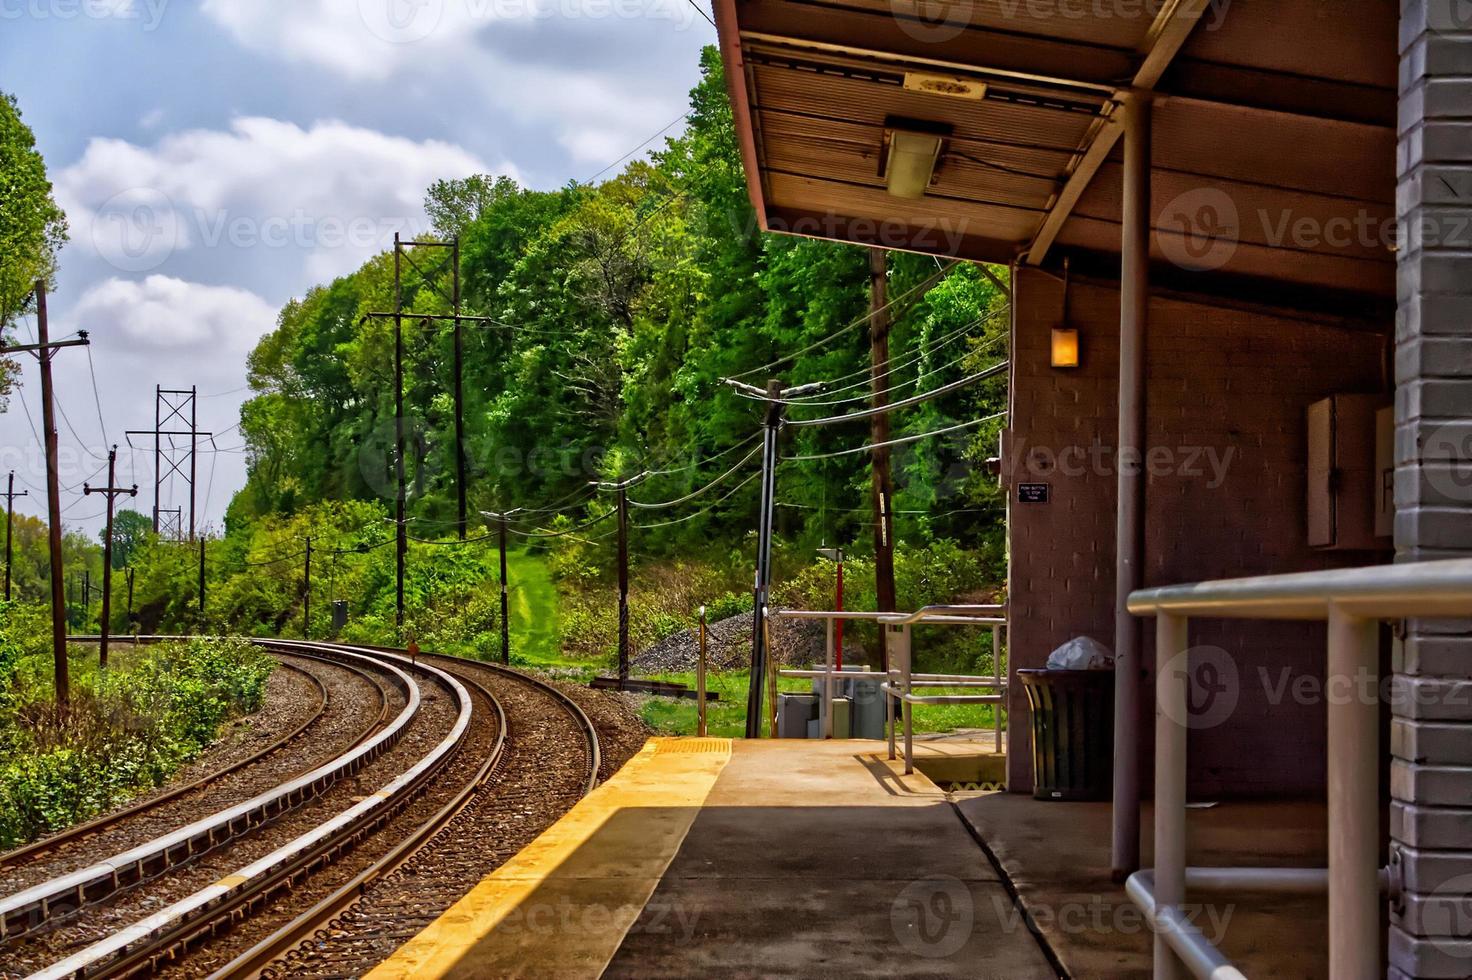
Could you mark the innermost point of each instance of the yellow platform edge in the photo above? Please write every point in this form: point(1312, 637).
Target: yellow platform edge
point(671, 775)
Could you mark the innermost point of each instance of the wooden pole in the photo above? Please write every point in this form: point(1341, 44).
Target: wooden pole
point(10, 496)
point(700, 677)
point(881, 480)
point(111, 491)
point(623, 587)
point(62, 678)
point(460, 489)
point(505, 600)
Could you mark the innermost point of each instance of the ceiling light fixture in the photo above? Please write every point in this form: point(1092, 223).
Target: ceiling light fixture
point(910, 152)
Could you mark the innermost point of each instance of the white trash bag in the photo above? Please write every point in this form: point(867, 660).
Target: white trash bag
point(1081, 653)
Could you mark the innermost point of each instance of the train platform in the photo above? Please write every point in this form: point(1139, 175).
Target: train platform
point(713, 857)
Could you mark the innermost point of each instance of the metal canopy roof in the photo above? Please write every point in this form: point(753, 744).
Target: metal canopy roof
point(1274, 129)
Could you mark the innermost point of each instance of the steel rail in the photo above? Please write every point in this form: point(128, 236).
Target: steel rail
point(34, 908)
point(255, 960)
point(144, 944)
point(44, 846)
point(250, 963)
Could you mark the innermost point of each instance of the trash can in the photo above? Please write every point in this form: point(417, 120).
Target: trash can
point(1072, 733)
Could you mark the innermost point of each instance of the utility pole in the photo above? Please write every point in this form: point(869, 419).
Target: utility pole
point(307, 593)
point(112, 491)
point(774, 395)
point(401, 530)
point(505, 601)
point(459, 365)
point(882, 479)
point(623, 586)
point(201, 578)
point(10, 496)
point(132, 625)
point(44, 350)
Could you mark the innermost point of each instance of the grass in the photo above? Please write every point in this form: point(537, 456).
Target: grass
point(534, 619)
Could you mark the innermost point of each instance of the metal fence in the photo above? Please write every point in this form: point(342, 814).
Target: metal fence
point(900, 684)
point(1354, 602)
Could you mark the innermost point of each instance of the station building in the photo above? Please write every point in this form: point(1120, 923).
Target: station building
point(1240, 236)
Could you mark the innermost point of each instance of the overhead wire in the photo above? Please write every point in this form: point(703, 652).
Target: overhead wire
point(921, 398)
point(696, 493)
point(905, 440)
point(852, 325)
point(704, 510)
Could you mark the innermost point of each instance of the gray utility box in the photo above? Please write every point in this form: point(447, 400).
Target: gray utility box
point(865, 703)
point(794, 711)
point(842, 721)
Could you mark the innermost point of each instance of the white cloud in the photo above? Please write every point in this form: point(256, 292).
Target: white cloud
point(161, 313)
point(530, 68)
point(328, 196)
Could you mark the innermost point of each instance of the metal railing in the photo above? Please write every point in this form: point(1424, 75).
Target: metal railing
point(901, 681)
point(1353, 602)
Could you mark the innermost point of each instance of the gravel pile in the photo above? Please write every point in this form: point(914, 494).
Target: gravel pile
point(798, 643)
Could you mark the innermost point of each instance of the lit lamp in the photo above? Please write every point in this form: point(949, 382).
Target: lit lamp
point(1065, 347)
point(911, 149)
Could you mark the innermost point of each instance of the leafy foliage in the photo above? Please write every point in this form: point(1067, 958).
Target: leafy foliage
point(32, 226)
point(125, 731)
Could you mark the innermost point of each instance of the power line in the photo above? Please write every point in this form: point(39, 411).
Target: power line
point(925, 284)
point(704, 510)
point(924, 396)
point(696, 493)
point(898, 442)
point(668, 126)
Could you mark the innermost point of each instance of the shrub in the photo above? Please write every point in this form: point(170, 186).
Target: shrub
point(126, 730)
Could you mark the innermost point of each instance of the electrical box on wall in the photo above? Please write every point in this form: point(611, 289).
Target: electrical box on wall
point(1350, 448)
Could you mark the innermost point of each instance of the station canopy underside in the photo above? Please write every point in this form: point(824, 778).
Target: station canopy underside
point(1274, 145)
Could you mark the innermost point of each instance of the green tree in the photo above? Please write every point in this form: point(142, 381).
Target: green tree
point(32, 227)
point(130, 530)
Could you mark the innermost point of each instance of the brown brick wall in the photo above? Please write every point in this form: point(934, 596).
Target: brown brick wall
point(1220, 380)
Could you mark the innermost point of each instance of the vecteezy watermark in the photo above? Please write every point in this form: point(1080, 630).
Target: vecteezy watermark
point(1446, 916)
point(136, 230)
point(1207, 463)
point(74, 464)
point(933, 917)
point(1201, 229)
point(1445, 457)
point(936, 21)
point(942, 235)
point(1104, 915)
point(408, 21)
point(1212, 687)
point(148, 13)
point(564, 917)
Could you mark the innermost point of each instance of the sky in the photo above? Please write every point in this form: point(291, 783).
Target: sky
point(216, 158)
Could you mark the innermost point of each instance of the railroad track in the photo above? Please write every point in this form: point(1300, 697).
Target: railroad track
point(436, 808)
point(43, 856)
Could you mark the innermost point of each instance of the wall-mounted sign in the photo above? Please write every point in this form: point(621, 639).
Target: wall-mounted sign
point(1032, 493)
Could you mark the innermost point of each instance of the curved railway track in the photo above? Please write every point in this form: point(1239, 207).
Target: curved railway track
point(49, 856)
point(518, 753)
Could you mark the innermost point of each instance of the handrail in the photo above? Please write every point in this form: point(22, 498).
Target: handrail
point(1354, 602)
point(953, 615)
point(900, 682)
point(1432, 588)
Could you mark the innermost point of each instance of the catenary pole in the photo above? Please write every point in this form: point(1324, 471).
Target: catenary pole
point(10, 496)
point(401, 541)
point(882, 481)
point(112, 491)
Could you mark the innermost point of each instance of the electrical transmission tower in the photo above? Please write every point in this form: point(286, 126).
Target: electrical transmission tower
point(178, 407)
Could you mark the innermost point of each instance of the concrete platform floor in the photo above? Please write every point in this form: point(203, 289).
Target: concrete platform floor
point(705, 857)
point(1057, 857)
point(708, 857)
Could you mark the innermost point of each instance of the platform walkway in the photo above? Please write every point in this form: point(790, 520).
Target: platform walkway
point(705, 857)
